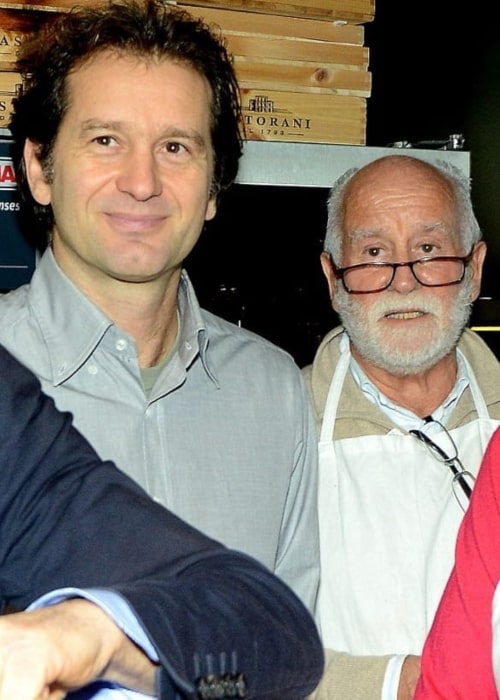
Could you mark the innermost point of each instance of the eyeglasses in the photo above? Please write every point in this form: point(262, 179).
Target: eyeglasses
point(366, 278)
point(463, 480)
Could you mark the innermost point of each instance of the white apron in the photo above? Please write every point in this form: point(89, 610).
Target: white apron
point(388, 524)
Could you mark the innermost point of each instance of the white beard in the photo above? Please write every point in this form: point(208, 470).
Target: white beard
point(399, 350)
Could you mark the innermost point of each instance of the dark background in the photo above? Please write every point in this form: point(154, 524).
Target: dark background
point(426, 62)
point(435, 72)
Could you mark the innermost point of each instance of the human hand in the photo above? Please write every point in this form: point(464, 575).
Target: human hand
point(48, 652)
point(410, 672)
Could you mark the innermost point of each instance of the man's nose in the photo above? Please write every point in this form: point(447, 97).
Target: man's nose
point(139, 175)
point(404, 280)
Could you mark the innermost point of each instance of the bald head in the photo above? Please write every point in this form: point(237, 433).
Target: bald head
point(397, 173)
point(398, 182)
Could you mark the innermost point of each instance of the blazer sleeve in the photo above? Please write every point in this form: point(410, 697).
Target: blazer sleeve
point(457, 655)
point(69, 519)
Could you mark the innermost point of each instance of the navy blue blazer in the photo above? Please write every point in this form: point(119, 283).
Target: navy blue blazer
point(221, 623)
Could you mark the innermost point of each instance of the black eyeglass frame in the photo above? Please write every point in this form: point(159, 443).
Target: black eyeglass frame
point(459, 473)
point(339, 272)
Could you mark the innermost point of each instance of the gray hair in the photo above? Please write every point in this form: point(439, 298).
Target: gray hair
point(468, 226)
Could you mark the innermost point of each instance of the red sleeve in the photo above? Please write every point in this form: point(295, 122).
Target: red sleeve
point(457, 657)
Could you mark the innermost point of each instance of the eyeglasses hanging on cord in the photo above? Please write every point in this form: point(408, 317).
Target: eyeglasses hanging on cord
point(463, 480)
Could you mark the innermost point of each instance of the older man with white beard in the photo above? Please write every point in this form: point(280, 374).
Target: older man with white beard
point(406, 399)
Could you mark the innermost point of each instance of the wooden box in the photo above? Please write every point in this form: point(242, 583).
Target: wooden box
point(293, 54)
point(302, 79)
point(277, 59)
point(353, 11)
point(273, 115)
point(5, 109)
point(14, 25)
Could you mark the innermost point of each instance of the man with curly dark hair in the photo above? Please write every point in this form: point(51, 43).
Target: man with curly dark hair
point(125, 135)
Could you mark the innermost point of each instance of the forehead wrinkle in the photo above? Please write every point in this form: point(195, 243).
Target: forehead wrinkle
point(436, 226)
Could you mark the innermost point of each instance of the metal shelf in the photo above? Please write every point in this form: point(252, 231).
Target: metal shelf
point(318, 165)
point(291, 164)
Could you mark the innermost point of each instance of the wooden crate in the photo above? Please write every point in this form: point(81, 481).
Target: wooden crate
point(277, 60)
point(285, 48)
point(5, 109)
point(352, 11)
point(254, 73)
point(10, 82)
point(277, 54)
point(274, 115)
point(252, 23)
point(14, 25)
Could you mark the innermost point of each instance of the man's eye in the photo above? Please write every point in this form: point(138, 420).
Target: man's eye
point(174, 147)
point(373, 252)
point(428, 248)
point(104, 140)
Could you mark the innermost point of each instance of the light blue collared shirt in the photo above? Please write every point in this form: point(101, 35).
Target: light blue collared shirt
point(226, 436)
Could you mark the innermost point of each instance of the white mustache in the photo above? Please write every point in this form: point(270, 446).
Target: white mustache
point(414, 303)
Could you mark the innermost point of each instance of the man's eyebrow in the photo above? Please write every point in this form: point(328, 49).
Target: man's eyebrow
point(358, 234)
point(92, 124)
point(436, 226)
point(191, 134)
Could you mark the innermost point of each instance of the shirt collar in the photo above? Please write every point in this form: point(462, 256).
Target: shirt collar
point(72, 326)
point(194, 333)
point(398, 415)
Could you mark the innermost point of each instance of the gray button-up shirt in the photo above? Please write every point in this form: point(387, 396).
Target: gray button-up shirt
point(225, 439)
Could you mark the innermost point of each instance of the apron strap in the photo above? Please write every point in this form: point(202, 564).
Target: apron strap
point(477, 396)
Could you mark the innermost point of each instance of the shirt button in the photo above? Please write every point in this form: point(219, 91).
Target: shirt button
point(121, 344)
point(92, 369)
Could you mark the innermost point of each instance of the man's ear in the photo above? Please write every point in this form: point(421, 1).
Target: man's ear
point(326, 264)
point(477, 263)
point(211, 208)
point(40, 188)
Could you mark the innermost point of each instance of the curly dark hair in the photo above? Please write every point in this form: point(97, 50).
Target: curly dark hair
point(144, 29)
